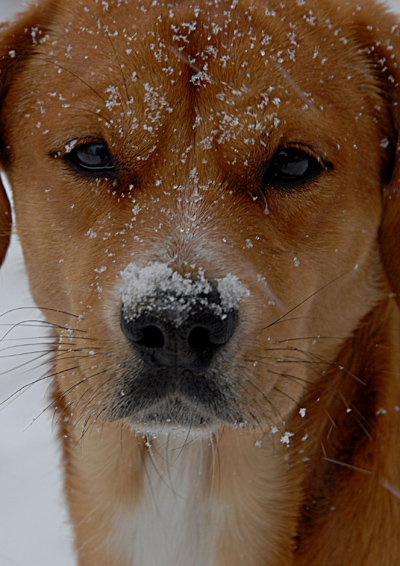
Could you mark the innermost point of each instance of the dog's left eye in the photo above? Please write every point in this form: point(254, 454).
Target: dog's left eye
point(291, 166)
point(90, 158)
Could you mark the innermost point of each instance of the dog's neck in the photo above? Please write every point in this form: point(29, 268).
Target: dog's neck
point(211, 501)
point(175, 521)
point(208, 502)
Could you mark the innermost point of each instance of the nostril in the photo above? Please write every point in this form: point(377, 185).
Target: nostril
point(152, 337)
point(212, 331)
point(144, 332)
point(199, 338)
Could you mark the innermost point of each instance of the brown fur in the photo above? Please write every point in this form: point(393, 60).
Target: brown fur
point(188, 120)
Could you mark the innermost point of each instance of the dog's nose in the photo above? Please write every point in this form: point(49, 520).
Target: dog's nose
point(191, 345)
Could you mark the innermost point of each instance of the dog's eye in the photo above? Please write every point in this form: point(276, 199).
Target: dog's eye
point(291, 166)
point(90, 158)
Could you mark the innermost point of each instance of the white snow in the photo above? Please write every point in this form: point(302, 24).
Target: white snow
point(285, 438)
point(231, 290)
point(157, 286)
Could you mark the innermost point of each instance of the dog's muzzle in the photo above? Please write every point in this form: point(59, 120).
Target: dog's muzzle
point(179, 329)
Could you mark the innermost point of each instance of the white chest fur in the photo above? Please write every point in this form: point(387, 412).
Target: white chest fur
point(175, 523)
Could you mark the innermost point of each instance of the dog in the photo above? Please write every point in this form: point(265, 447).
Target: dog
point(207, 198)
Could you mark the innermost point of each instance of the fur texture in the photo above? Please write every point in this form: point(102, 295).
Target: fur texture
point(229, 171)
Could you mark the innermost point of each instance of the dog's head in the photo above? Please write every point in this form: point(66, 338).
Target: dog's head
point(206, 196)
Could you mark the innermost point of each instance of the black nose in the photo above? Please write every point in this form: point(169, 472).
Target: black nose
point(191, 345)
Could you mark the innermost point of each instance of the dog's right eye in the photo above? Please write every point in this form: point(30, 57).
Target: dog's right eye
point(90, 158)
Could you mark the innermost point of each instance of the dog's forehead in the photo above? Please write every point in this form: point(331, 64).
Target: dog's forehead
point(242, 51)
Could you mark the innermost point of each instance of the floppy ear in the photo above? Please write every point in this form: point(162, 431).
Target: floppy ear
point(390, 227)
point(5, 223)
point(5, 208)
point(380, 36)
point(17, 43)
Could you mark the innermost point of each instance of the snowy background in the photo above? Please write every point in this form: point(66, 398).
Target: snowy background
point(34, 528)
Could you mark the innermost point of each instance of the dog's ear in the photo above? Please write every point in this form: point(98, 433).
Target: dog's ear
point(5, 223)
point(18, 41)
point(379, 35)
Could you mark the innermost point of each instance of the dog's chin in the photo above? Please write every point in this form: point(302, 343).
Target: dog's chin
point(175, 411)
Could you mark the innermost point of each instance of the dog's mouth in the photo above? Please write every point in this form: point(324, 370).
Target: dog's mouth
point(184, 399)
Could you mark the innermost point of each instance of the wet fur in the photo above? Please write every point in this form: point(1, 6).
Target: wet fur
point(302, 468)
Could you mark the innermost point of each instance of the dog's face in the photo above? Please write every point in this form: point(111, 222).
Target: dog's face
point(200, 188)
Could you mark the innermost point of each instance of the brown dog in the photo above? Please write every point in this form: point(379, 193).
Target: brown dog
point(207, 197)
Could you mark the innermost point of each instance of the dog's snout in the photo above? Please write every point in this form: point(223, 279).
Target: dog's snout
point(191, 345)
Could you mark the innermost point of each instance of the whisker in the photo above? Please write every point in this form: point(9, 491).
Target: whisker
point(315, 360)
point(279, 319)
point(36, 324)
point(92, 419)
point(82, 110)
point(73, 75)
point(216, 457)
point(197, 70)
point(63, 395)
point(349, 466)
point(360, 419)
point(296, 379)
point(149, 447)
point(95, 393)
point(264, 396)
point(41, 308)
point(300, 92)
point(24, 364)
point(285, 395)
point(141, 452)
point(339, 338)
point(119, 64)
point(23, 353)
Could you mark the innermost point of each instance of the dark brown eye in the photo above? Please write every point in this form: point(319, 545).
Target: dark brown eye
point(292, 166)
point(90, 158)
